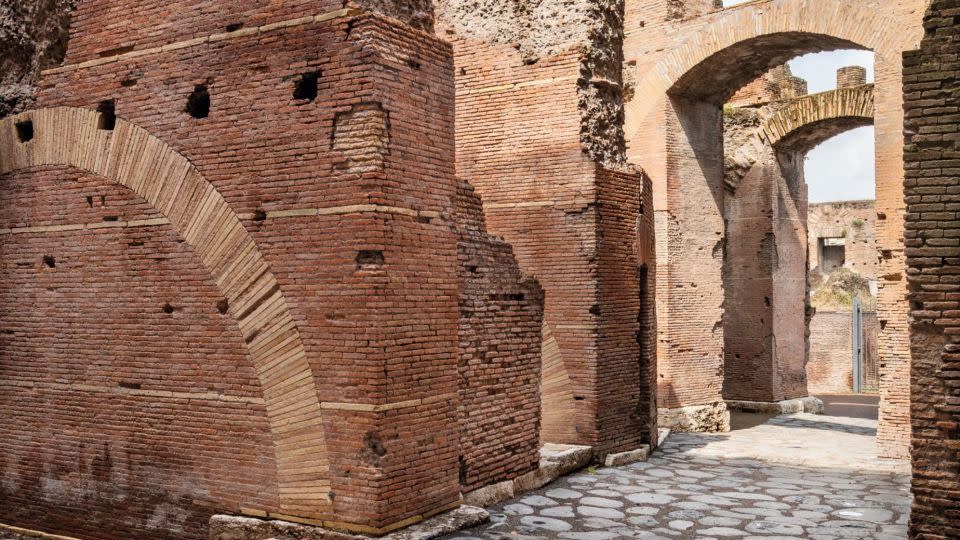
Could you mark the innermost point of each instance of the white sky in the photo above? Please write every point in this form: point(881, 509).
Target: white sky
point(843, 167)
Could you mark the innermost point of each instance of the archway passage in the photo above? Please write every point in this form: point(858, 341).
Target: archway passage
point(809, 121)
point(765, 274)
point(131, 157)
point(683, 74)
point(708, 58)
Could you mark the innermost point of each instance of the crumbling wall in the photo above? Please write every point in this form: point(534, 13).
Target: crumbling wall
point(855, 222)
point(540, 29)
point(33, 37)
point(528, 75)
point(932, 248)
point(777, 84)
point(501, 313)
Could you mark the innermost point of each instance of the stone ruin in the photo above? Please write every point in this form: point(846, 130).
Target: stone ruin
point(344, 264)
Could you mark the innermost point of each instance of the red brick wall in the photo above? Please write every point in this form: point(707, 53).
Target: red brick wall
point(372, 289)
point(830, 370)
point(501, 313)
point(627, 395)
point(109, 400)
point(519, 145)
point(932, 248)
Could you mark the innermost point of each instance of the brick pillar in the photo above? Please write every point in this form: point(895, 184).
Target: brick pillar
point(690, 236)
point(932, 248)
point(850, 76)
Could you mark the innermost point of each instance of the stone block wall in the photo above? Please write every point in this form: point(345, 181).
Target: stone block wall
point(501, 313)
point(932, 248)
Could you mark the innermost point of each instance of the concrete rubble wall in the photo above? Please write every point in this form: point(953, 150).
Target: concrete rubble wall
point(33, 37)
point(932, 248)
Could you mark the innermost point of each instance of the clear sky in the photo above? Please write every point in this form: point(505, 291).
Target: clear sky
point(843, 167)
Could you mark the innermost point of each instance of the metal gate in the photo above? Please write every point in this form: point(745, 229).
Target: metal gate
point(857, 348)
point(866, 362)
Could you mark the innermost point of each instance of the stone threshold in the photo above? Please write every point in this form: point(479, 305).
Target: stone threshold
point(808, 404)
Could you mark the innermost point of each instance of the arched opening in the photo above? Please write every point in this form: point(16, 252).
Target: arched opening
point(675, 132)
point(771, 125)
point(169, 185)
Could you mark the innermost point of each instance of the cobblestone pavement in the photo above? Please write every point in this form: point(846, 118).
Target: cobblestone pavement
point(798, 476)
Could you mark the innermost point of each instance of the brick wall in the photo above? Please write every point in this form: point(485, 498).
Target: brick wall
point(519, 144)
point(346, 195)
point(932, 249)
point(103, 398)
point(775, 85)
point(830, 370)
point(501, 313)
point(855, 222)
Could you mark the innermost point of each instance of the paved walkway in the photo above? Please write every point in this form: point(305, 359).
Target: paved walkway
point(799, 476)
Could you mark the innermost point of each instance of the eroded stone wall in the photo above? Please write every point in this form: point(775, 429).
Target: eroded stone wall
point(932, 248)
point(855, 223)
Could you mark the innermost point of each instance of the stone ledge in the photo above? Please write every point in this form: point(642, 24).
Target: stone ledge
point(808, 404)
point(711, 418)
point(556, 460)
point(226, 527)
point(625, 458)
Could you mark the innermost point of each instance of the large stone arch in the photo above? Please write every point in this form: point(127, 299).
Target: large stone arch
point(130, 156)
point(802, 124)
point(755, 37)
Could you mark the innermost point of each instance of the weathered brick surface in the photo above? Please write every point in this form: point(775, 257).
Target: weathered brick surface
point(501, 314)
point(830, 370)
point(932, 249)
point(342, 204)
point(103, 398)
point(519, 144)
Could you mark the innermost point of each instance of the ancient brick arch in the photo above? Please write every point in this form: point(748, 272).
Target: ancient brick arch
point(132, 157)
point(677, 82)
point(802, 124)
point(755, 37)
point(806, 122)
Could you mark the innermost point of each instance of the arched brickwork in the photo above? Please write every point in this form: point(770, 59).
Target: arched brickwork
point(132, 157)
point(684, 72)
point(804, 123)
point(811, 120)
point(755, 37)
